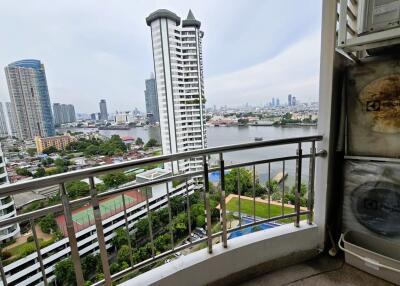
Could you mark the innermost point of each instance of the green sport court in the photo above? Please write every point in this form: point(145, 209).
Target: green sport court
point(85, 216)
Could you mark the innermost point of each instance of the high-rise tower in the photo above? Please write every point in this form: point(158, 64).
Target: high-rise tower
point(30, 99)
point(3, 122)
point(12, 121)
point(151, 100)
point(103, 110)
point(178, 67)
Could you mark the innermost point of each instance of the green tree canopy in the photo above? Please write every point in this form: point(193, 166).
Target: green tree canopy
point(48, 224)
point(139, 141)
point(50, 150)
point(31, 151)
point(77, 189)
point(65, 273)
point(113, 180)
point(121, 238)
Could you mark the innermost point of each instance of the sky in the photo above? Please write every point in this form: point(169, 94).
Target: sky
point(253, 50)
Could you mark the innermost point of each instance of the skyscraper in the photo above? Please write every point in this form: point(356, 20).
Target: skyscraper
point(3, 122)
point(63, 113)
point(289, 100)
point(178, 67)
point(294, 101)
point(103, 110)
point(12, 121)
point(30, 99)
point(151, 100)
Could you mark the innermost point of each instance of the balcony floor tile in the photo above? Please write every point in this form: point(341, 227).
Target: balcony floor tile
point(322, 271)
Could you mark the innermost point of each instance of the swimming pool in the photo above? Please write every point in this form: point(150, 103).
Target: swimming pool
point(247, 230)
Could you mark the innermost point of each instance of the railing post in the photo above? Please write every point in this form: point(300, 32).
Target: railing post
point(207, 204)
point(283, 188)
point(171, 231)
point(39, 254)
point(71, 236)
point(100, 232)
point(223, 203)
point(127, 229)
point(239, 195)
point(150, 224)
point(254, 193)
point(298, 184)
point(188, 211)
point(3, 275)
point(269, 190)
point(311, 177)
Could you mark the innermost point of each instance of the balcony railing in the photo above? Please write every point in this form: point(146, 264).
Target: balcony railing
point(127, 213)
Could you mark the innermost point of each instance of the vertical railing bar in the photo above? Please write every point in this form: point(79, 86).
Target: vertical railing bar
point(298, 184)
point(100, 232)
point(188, 211)
point(3, 275)
point(269, 190)
point(150, 224)
point(254, 193)
point(127, 230)
point(223, 202)
point(239, 194)
point(311, 177)
point(39, 254)
point(207, 204)
point(171, 231)
point(283, 188)
point(73, 244)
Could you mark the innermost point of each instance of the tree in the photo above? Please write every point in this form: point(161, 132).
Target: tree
point(114, 268)
point(40, 172)
point(48, 224)
point(162, 242)
point(179, 225)
point(23, 172)
point(245, 181)
point(31, 151)
point(123, 254)
point(121, 238)
point(113, 180)
point(139, 141)
point(50, 150)
point(77, 189)
point(151, 143)
point(89, 266)
point(47, 161)
point(65, 273)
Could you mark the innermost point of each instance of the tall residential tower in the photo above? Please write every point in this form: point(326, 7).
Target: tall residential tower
point(103, 110)
point(30, 99)
point(151, 100)
point(63, 113)
point(3, 122)
point(178, 67)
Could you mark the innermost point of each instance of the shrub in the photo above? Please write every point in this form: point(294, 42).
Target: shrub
point(48, 224)
point(30, 238)
point(5, 254)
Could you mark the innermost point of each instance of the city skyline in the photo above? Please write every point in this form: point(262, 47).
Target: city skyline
point(118, 53)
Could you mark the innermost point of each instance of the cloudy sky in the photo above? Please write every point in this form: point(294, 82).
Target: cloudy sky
point(253, 49)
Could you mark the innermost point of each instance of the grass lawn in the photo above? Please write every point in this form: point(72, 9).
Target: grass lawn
point(246, 207)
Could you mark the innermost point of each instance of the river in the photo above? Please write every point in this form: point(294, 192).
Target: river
point(218, 136)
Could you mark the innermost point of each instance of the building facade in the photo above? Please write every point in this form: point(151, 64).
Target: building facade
point(12, 125)
point(30, 99)
point(7, 207)
point(150, 93)
point(3, 122)
point(60, 142)
point(63, 113)
point(178, 68)
point(103, 110)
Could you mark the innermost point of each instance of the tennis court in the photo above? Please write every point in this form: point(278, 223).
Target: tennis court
point(109, 206)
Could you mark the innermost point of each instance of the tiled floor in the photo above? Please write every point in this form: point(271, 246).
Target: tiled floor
point(323, 271)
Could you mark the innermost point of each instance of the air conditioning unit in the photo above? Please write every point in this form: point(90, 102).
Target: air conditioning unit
point(380, 15)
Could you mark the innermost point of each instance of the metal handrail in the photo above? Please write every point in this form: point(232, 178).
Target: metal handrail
point(20, 187)
point(66, 206)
